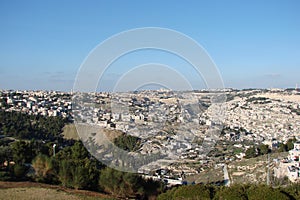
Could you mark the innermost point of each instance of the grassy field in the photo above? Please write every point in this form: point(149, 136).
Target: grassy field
point(207, 176)
point(35, 191)
point(69, 132)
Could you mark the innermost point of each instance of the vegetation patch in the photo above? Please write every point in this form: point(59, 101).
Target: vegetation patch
point(127, 142)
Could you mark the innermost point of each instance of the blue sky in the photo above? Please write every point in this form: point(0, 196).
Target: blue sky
point(253, 43)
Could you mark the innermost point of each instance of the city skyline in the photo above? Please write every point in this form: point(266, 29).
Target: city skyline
point(254, 45)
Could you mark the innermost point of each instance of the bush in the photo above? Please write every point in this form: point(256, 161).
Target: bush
point(293, 191)
point(44, 168)
point(234, 192)
point(168, 195)
point(127, 142)
point(19, 171)
point(122, 184)
point(265, 192)
point(65, 173)
point(5, 176)
point(251, 152)
point(199, 192)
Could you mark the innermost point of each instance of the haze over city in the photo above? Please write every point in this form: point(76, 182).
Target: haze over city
point(253, 44)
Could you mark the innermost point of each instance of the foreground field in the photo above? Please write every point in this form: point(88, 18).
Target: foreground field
point(36, 191)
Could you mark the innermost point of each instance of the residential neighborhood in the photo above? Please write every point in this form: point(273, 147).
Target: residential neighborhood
point(46, 103)
point(185, 129)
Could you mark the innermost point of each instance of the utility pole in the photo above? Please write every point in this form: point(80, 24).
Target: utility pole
point(268, 171)
point(54, 145)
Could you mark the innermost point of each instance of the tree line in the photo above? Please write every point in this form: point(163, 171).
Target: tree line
point(23, 126)
point(234, 192)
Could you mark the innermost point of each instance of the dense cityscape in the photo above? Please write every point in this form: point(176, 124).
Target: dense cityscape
point(177, 125)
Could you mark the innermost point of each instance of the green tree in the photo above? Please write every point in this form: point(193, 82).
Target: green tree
point(282, 147)
point(168, 195)
point(197, 192)
point(80, 177)
point(44, 168)
point(193, 192)
point(19, 170)
point(251, 152)
point(78, 151)
point(152, 188)
point(263, 149)
point(85, 175)
point(5, 154)
point(77, 169)
point(24, 126)
point(234, 192)
point(22, 152)
point(121, 184)
point(65, 173)
point(127, 142)
point(265, 192)
point(290, 143)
